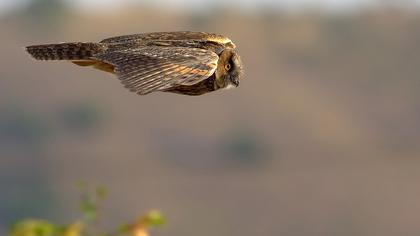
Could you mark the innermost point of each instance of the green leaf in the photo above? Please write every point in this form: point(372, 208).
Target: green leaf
point(101, 192)
point(124, 229)
point(155, 218)
point(89, 210)
point(33, 227)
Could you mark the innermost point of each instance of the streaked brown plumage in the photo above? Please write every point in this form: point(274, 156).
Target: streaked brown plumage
point(190, 63)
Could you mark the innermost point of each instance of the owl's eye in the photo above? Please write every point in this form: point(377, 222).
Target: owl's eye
point(227, 67)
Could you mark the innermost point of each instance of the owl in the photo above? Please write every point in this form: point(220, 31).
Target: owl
point(189, 63)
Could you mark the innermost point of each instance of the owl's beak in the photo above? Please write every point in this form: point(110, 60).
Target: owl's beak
point(235, 81)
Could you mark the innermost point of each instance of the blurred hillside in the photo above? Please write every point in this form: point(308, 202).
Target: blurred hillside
point(321, 137)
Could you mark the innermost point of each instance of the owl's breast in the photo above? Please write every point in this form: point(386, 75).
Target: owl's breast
point(200, 88)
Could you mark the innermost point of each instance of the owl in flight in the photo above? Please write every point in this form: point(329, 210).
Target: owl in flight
point(190, 63)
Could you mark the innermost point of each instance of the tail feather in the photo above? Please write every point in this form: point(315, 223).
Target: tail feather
point(65, 51)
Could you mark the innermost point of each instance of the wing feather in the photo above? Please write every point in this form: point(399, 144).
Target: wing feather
point(145, 71)
point(163, 36)
point(150, 69)
point(144, 83)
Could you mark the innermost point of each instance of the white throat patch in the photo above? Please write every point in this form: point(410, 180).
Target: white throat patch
point(230, 86)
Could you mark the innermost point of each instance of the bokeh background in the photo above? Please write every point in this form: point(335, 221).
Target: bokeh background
point(321, 138)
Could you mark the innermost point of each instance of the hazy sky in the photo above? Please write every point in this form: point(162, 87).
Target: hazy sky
point(6, 5)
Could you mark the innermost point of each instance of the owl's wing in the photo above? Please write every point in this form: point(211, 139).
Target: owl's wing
point(177, 35)
point(149, 69)
point(172, 38)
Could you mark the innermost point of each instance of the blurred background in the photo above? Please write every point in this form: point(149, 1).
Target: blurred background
point(321, 138)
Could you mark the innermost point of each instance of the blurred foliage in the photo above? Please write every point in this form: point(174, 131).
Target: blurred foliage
point(88, 224)
point(80, 117)
point(30, 196)
point(33, 228)
point(25, 137)
point(244, 147)
point(90, 203)
point(22, 126)
point(45, 13)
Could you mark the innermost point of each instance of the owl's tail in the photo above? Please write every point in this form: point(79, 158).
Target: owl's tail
point(65, 51)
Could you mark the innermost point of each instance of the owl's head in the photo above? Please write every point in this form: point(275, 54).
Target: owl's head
point(229, 69)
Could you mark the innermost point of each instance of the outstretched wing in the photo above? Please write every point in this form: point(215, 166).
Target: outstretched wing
point(149, 69)
point(177, 35)
point(172, 38)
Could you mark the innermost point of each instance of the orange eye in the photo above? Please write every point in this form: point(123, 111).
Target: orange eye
point(227, 67)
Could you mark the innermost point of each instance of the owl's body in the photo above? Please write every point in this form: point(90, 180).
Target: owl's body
point(190, 63)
